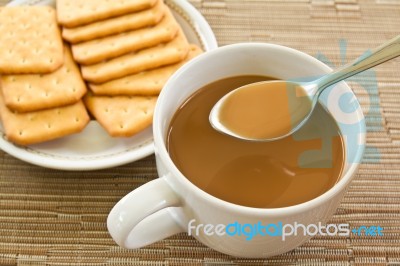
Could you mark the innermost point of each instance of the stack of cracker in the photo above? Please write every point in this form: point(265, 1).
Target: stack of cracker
point(127, 51)
point(41, 85)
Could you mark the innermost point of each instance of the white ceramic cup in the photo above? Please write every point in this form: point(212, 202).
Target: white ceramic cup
point(166, 205)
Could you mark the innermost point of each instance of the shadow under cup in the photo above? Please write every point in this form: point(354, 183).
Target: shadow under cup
point(260, 60)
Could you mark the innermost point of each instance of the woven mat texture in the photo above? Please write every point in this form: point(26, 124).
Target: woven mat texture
point(50, 217)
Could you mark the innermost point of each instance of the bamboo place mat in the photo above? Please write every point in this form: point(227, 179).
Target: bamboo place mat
point(50, 217)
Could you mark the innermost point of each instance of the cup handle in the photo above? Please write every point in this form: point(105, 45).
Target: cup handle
point(142, 217)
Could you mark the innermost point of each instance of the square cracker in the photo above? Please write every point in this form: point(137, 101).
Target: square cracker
point(145, 83)
point(41, 126)
point(95, 51)
point(149, 58)
point(73, 13)
point(122, 116)
point(30, 40)
point(27, 93)
point(99, 29)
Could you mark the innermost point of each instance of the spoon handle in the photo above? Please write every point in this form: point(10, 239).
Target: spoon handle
point(383, 53)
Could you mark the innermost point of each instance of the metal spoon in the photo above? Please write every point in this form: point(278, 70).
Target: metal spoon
point(238, 112)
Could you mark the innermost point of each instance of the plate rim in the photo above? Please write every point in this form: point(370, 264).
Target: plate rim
point(145, 148)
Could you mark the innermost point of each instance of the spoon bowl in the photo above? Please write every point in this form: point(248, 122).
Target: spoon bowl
point(244, 110)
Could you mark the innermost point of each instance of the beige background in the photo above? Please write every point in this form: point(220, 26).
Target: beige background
point(50, 217)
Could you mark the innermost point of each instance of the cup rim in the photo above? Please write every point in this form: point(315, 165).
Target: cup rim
point(161, 151)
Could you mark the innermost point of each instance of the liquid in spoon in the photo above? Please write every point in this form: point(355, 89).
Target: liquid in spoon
point(264, 110)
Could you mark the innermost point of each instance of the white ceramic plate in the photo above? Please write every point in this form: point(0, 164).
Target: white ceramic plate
point(93, 148)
